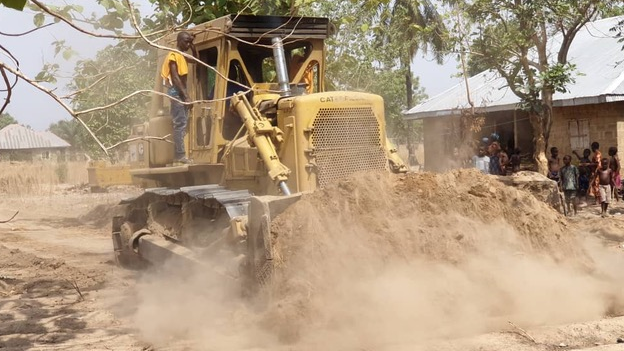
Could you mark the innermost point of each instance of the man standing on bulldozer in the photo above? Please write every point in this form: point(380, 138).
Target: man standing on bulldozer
point(174, 72)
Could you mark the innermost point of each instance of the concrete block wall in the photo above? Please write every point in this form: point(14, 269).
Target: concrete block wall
point(620, 136)
point(606, 126)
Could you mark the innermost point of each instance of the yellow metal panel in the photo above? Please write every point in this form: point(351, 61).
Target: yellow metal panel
point(103, 175)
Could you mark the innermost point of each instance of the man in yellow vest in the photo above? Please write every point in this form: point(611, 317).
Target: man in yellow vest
point(174, 72)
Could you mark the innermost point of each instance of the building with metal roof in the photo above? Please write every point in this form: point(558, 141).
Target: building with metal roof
point(19, 142)
point(591, 110)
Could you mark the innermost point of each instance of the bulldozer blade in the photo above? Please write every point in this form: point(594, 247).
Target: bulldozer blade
point(262, 210)
point(158, 250)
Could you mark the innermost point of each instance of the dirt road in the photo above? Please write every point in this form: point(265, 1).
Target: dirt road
point(58, 284)
point(60, 290)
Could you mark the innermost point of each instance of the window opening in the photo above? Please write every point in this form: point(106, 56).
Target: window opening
point(579, 133)
point(232, 122)
point(260, 63)
point(207, 76)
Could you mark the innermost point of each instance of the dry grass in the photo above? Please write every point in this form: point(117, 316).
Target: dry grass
point(39, 178)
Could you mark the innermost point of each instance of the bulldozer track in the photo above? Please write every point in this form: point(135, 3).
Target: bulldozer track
point(236, 202)
point(194, 216)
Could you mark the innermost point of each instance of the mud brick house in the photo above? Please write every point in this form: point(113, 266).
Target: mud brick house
point(18, 143)
point(591, 110)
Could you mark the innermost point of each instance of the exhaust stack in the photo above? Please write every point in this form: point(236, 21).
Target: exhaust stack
point(280, 66)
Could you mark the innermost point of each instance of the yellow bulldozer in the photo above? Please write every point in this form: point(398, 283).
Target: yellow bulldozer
point(258, 139)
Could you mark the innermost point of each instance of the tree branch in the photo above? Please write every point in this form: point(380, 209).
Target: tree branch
point(163, 138)
point(56, 98)
point(562, 55)
point(10, 219)
point(9, 90)
point(190, 57)
point(47, 10)
point(75, 114)
point(10, 55)
point(146, 91)
point(26, 32)
point(462, 56)
point(80, 91)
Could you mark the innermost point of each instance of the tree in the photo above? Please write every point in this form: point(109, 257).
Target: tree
point(70, 131)
point(93, 110)
point(115, 72)
point(513, 38)
point(6, 119)
point(369, 61)
point(169, 13)
point(408, 26)
point(355, 61)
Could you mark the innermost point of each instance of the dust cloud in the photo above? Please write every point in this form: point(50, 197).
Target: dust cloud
point(377, 261)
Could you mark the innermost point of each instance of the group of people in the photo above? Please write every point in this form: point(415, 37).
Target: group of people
point(492, 159)
point(595, 176)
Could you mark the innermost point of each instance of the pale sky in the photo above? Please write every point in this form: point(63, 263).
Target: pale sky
point(36, 109)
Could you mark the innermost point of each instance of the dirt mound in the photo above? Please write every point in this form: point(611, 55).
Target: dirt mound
point(100, 216)
point(380, 259)
point(25, 273)
point(426, 215)
point(539, 185)
point(377, 262)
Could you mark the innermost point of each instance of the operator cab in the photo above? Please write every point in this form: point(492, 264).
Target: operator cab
point(243, 61)
point(239, 53)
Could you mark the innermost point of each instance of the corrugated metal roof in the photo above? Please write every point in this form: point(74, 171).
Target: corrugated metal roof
point(594, 51)
point(17, 137)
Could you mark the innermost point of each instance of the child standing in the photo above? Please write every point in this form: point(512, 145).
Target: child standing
point(503, 158)
point(614, 164)
point(594, 186)
point(584, 172)
point(604, 176)
point(482, 161)
point(553, 164)
point(495, 167)
point(569, 183)
point(514, 161)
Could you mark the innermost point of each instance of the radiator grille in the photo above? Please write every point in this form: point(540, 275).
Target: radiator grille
point(346, 140)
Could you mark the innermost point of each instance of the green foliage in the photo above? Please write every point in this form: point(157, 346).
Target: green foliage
point(409, 26)
point(618, 32)
point(48, 73)
point(60, 47)
point(611, 9)
point(70, 131)
point(117, 14)
point(115, 18)
point(38, 19)
point(115, 72)
point(372, 52)
point(515, 39)
point(6, 119)
point(68, 11)
point(14, 4)
point(168, 12)
point(512, 38)
point(557, 77)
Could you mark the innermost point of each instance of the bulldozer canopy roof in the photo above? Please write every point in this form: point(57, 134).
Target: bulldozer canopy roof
point(250, 26)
